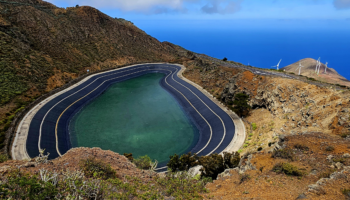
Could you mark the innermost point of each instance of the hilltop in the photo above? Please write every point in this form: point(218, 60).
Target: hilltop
point(331, 76)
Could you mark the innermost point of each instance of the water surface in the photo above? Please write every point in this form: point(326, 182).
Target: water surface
point(135, 116)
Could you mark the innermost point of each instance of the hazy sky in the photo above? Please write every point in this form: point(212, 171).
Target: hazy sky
point(218, 9)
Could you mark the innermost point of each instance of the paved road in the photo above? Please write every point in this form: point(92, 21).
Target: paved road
point(49, 127)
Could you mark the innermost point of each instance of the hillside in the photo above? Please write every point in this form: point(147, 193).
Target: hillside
point(298, 132)
point(331, 76)
point(44, 47)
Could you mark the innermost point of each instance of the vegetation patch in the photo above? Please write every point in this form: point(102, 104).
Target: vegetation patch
point(287, 169)
point(283, 153)
point(329, 148)
point(241, 106)
point(213, 164)
point(346, 192)
point(3, 158)
point(243, 178)
point(301, 147)
point(144, 162)
point(94, 168)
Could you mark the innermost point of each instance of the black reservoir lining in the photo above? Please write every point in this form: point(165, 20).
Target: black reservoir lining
point(214, 138)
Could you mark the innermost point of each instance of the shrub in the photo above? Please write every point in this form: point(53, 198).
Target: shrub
point(241, 108)
point(143, 162)
point(301, 147)
point(327, 174)
point(341, 160)
point(213, 165)
point(93, 168)
point(254, 126)
point(231, 160)
point(283, 153)
point(24, 186)
point(3, 158)
point(129, 156)
point(182, 186)
point(346, 192)
point(183, 163)
point(287, 168)
point(243, 178)
point(225, 59)
point(329, 148)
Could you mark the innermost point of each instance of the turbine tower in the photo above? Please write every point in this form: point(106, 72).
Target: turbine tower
point(278, 65)
point(317, 65)
point(325, 69)
point(300, 66)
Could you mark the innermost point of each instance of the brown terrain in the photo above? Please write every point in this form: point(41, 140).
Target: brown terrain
point(329, 76)
point(287, 114)
point(44, 47)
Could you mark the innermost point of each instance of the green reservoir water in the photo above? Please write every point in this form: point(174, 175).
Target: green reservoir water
point(135, 116)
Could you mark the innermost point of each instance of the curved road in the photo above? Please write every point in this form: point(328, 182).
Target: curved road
point(48, 128)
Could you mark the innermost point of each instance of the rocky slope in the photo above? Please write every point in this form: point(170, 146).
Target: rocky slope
point(44, 47)
point(308, 123)
point(329, 76)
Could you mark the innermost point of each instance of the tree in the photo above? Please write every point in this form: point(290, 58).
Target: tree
point(231, 160)
point(213, 165)
point(241, 106)
point(225, 59)
point(184, 163)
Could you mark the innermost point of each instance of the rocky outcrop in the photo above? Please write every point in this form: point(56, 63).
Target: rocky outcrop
point(304, 106)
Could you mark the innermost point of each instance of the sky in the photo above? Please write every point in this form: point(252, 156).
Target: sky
point(218, 9)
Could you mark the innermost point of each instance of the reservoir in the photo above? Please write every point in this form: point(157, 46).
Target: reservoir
point(135, 116)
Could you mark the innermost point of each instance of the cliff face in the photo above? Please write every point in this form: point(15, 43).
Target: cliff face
point(43, 47)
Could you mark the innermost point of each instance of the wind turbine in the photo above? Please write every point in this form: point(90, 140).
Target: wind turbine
point(325, 69)
point(319, 67)
point(300, 66)
point(317, 64)
point(278, 65)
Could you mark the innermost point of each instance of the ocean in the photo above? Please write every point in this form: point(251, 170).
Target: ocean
point(260, 44)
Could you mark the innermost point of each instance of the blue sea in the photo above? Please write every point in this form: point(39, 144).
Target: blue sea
point(260, 43)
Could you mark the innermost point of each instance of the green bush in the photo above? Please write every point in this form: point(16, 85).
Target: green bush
point(231, 160)
point(183, 163)
point(213, 165)
point(329, 148)
point(241, 106)
point(346, 192)
point(143, 162)
point(3, 158)
point(327, 173)
point(254, 126)
point(287, 168)
point(283, 153)
point(341, 160)
point(20, 186)
point(301, 147)
point(93, 168)
point(129, 156)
